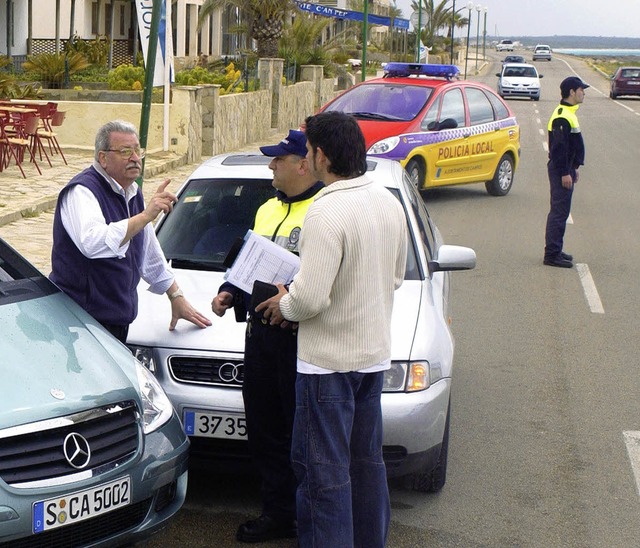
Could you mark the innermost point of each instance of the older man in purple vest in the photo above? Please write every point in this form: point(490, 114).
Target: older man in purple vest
point(103, 237)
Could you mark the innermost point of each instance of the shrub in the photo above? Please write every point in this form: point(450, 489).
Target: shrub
point(126, 77)
point(50, 68)
point(96, 51)
point(228, 78)
point(9, 89)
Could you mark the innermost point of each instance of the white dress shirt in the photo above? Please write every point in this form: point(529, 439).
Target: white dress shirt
point(83, 220)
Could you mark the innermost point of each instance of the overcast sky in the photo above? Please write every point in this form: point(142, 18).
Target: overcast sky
point(553, 17)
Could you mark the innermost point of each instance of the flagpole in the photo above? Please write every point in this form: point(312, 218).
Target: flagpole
point(149, 67)
point(168, 63)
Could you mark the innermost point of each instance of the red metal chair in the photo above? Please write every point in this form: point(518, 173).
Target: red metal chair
point(15, 143)
point(51, 117)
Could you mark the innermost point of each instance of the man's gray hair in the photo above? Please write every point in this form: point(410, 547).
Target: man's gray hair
point(103, 137)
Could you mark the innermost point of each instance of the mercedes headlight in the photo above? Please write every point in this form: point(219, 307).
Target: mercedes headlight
point(157, 409)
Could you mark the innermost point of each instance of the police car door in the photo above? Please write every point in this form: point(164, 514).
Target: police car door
point(486, 139)
point(448, 154)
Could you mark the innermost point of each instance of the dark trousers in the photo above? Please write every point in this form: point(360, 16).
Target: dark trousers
point(269, 400)
point(120, 332)
point(559, 210)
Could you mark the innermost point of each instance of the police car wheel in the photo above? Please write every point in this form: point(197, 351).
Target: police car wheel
point(416, 171)
point(502, 180)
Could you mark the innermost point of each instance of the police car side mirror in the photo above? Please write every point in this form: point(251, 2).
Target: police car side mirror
point(498, 74)
point(448, 123)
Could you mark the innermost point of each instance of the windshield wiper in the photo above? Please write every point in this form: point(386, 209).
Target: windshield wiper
point(200, 264)
point(373, 116)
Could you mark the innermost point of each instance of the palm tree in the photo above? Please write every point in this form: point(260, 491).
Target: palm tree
point(265, 20)
point(434, 18)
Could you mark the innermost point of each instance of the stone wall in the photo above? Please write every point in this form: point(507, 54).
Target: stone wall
point(201, 121)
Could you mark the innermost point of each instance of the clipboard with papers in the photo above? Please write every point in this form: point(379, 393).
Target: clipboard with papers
point(261, 259)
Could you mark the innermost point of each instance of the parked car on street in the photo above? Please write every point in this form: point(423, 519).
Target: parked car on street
point(519, 80)
point(202, 370)
point(504, 45)
point(542, 52)
point(625, 81)
point(91, 450)
point(443, 131)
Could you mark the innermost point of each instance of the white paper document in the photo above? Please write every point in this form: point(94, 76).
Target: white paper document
point(261, 259)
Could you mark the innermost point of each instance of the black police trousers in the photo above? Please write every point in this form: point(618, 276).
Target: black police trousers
point(559, 210)
point(269, 397)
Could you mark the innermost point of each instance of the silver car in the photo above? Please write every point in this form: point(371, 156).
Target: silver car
point(91, 450)
point(519, 80)
point(202, 370)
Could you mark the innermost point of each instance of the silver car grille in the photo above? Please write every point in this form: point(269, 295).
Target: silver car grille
point(69, 448)
point(212, 371)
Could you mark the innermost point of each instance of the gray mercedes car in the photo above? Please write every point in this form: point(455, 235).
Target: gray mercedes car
point(92, 452)
point(201, 370)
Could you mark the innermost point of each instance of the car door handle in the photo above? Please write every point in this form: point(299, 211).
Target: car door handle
point(466, 135)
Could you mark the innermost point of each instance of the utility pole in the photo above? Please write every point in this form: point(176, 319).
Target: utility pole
point(149, 66)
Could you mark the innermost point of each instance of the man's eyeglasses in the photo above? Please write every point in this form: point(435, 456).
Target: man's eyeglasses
point(128, 152)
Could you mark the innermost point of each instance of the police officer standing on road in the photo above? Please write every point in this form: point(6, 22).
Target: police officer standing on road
point(270, 351)
point(566, 155)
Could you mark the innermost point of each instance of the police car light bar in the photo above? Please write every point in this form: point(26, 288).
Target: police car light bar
point(395, 70)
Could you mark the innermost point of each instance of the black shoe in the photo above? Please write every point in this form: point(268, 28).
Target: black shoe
point(266, 528)
point(559, 261)
point(566, 256)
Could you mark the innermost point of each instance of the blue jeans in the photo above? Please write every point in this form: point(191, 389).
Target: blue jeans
point(342, 498)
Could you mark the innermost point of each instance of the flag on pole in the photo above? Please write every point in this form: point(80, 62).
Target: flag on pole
point(164, 52)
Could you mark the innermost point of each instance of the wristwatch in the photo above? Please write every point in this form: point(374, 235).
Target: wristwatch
point(177, 293)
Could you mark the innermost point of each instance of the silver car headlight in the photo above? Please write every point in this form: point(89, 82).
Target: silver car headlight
point(144, 355)
point(157, 409)
point(384, 146)
point(411, 376)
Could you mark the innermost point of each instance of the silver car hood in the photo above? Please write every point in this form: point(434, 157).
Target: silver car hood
point(151, 328)
point(47, 343)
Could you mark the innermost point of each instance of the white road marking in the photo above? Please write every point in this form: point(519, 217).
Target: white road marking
point(632, 441)
point(569, 219)
point(589, 288)
point(541, 131)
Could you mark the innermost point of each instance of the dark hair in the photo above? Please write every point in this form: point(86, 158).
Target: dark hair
point(341, 140)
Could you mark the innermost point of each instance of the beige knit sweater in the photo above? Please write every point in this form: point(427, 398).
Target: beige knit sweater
point(353, 250)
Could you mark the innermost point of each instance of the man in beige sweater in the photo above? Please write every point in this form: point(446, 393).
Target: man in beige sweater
point(353, 251)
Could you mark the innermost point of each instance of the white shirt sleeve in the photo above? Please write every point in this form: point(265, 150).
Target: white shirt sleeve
point(154, 268)
point(83, 220)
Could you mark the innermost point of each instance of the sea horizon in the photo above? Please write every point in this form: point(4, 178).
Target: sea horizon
point(599, 52)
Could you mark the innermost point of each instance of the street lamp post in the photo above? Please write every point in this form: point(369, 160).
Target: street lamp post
point(453, 26)
point(484, 34)
point(419, 38)
point(478, 9)
point(466, 55)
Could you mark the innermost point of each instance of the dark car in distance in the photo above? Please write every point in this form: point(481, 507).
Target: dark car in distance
point(625, 81)
point(514, 59)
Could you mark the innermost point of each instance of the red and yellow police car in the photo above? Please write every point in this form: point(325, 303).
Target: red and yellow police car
point(443, 131)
